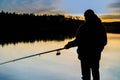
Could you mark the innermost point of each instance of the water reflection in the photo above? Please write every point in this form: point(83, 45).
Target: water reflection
point(111, 58)
point(52, 67)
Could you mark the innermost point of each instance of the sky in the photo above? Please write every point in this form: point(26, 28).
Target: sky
point(74, 7)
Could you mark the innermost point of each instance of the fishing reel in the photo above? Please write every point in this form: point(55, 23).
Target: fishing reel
point(58, 53)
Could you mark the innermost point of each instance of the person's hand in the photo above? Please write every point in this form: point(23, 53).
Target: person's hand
point(67, 46)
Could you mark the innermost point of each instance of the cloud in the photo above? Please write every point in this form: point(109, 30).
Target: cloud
point(31, 6)
point(115, 10)
point(110, 16)
point(115, 7)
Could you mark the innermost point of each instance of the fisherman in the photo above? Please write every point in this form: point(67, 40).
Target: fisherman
point(90, 40)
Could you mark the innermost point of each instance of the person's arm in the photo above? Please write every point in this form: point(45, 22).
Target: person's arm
point(75, 42)
point(71, 44)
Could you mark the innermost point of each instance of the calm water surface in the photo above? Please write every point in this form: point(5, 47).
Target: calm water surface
point(52, 67)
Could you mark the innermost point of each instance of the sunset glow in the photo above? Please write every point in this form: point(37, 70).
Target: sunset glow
point(40, 40)
point(78, 7)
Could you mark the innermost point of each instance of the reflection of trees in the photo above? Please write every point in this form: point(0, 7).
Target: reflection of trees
point(28, 27)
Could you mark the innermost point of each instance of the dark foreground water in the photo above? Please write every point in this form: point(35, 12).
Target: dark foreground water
point(52, 67)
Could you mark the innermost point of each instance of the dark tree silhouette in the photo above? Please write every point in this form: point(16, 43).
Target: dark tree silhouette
point(29, 27)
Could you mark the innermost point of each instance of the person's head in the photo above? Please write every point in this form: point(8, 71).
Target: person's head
point(91, 17)
point(89, 14)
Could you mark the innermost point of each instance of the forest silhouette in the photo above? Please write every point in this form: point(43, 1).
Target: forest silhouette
point(29, 27)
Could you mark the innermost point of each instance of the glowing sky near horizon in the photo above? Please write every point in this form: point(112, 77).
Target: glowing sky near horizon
point(67, 6)
point(107, 8)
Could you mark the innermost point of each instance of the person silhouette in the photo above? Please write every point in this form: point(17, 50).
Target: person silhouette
point(90, 39)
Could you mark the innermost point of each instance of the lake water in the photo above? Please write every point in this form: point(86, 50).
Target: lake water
point(52, 67)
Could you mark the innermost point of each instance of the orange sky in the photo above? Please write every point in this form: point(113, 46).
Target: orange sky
point(104, 18)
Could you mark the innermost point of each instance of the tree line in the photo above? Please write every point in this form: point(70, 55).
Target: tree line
point(29, 27)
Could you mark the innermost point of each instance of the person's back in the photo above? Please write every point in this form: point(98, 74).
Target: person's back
point(91, 38)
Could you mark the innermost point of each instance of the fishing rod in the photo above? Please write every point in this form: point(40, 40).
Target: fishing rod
point(58, 53)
